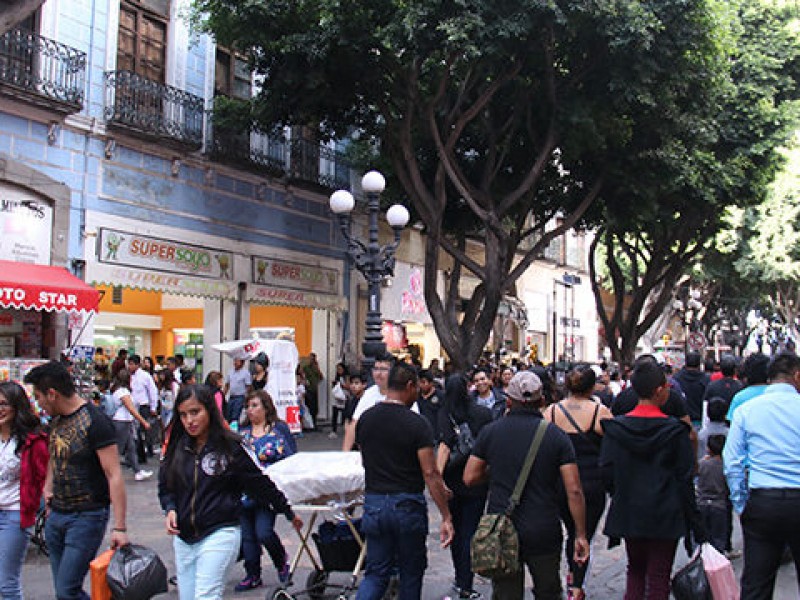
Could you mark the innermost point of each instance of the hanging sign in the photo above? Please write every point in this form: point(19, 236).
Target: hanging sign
point(294, 275)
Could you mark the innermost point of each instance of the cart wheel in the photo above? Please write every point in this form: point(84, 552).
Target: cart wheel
point(315, 584)
point(281, 594)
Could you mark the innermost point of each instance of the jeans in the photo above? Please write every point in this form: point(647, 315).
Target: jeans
point(13, 543)
point(258, 527)
point(126, 442)
point(649, 568)
point(544, 569)
point(202, 566)
point(715, 521)
point(770, 521)
point(235, 404)
point(395, 527)
point(73, 540)
point(466, 511)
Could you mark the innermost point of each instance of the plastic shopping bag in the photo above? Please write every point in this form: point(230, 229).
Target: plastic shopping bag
point(719, 573)
point(98, 568)
point(690, 583)
point(136, 573)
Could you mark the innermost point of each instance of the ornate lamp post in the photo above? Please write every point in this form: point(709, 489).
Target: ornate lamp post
point(375, 262)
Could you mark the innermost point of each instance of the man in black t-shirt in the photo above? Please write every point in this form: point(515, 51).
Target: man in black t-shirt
point(83, 478)
point(498, 455)
point(397, 452)
point(430, 400)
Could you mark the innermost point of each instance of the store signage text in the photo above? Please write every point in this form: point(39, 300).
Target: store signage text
point(124, 248)
point(163, 282)
point(295, 275)
point(19, 296)
point(26, 226)
point(294, 298)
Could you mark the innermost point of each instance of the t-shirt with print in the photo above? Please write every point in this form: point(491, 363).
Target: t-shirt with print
point(9, 475)
point(390, 435)
point(504, 444)
point(238, 381)
point(79, 482)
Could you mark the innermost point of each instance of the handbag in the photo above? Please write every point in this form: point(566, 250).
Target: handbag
point(462, 447)
point(495, 546)
point(691, 583)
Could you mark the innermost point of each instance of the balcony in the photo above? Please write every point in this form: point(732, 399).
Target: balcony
point(301, 162)
point(41, 71)
point(154, 111)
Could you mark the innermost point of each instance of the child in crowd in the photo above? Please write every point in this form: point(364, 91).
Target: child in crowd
point(717, 408)
point(712, 493)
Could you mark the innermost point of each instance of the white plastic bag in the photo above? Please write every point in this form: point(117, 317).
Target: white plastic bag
point(719, 573)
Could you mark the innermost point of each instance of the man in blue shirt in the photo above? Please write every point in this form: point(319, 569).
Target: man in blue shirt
point(755, 377)
point(762, 465)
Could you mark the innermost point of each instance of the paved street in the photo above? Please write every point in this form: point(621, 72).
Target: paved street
point(145, 525)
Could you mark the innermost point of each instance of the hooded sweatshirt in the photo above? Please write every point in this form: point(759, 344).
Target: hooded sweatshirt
point(693, 382)
point(649, 463)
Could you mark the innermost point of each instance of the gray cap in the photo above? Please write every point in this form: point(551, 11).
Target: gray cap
point(525, 387)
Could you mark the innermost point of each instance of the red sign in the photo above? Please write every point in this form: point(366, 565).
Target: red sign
point(42, 287)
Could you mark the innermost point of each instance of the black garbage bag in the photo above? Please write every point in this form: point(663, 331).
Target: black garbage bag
point(690, 583)
point(136, 573)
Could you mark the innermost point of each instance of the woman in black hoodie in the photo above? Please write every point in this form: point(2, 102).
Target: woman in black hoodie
point(204, 473)
point(649, 463)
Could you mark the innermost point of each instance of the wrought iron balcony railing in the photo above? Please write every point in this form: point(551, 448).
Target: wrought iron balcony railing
point(301, 161)
point(153, 110)
point(41, 70)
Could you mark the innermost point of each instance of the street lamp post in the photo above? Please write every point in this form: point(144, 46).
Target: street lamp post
point(375, 262)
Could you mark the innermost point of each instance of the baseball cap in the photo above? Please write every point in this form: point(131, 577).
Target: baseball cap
point(524, 387)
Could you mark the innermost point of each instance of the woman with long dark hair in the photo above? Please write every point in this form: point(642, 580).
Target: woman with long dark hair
point(206, 470)
point(467, 504)
point(167, 392)
point(579, 415)
point(23, 468)
point(271, 441)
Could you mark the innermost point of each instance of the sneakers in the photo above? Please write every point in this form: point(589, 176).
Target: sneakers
point(142, 474)
point(332, 435)
point(471, 594)
point(248, 583)
point(284, 574)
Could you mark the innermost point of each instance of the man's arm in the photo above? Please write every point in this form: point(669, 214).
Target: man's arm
point(577, 508)
point(476, 472)
point(109, 461)
point(734, 455)
point(47, 493)
point(433, 479)
point(349, 435)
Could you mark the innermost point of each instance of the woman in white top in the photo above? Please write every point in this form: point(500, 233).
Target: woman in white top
point(124, 425)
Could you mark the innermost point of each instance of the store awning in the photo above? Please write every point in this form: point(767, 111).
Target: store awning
point(43, 287)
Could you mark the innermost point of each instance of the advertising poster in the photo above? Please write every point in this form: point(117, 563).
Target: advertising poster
point(282, 383)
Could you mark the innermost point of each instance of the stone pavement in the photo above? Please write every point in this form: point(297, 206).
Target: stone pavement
point(146, 526)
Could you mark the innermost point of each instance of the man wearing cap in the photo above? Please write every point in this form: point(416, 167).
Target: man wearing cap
point(498, 457)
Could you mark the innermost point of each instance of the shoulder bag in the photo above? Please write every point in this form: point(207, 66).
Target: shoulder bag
point(495, 545)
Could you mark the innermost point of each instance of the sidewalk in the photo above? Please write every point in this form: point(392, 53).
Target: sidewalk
point(146, 526)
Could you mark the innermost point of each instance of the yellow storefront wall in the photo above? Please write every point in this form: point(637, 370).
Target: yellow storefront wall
point(285, 316)
point(142, 302)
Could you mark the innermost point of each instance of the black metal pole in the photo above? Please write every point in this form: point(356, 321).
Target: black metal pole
point(373, 345)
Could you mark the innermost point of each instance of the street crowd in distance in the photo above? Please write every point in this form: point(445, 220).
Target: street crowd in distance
point(666, 457)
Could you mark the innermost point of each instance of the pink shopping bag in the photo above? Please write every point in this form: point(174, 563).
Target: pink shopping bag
point(719, 573)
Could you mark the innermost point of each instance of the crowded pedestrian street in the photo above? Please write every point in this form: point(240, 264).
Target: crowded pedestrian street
point(606, 580)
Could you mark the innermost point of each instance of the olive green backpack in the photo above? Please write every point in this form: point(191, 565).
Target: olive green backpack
point(495, 545)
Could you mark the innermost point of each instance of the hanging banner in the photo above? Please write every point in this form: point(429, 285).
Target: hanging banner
point(26, 226)
point(134, 250)
point(282, 381)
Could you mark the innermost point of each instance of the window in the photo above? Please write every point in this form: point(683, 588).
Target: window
point(142, 38)
point(231, 75)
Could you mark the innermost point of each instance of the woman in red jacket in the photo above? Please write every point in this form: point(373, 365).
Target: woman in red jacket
point(23, 467)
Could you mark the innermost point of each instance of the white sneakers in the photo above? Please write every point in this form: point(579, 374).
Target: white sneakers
point(142, 475)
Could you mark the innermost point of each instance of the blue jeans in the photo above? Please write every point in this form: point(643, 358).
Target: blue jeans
point(13, 543)
point(73, 540)
point(235, 405)
point(202, 565)
point(395, 527)
point(258, 527)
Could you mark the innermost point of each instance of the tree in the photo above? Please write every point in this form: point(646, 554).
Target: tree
point(701, 169)
point(506, 114)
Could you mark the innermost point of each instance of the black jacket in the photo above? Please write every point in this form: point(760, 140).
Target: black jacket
point(650, 464)
point(693, 383)
point(211, 497)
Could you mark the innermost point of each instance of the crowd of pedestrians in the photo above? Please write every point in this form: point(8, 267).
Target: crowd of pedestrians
point(667, 457)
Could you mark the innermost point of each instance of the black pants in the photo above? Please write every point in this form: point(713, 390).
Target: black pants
point(466, 511)
point(770, 522)
point(144, 442)
point(715, 521)
point(312, 403)
point(595, 498)
point(336, 414)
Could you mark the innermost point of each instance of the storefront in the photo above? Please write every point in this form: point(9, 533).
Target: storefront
point(408, 328)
